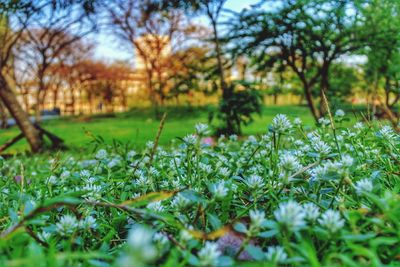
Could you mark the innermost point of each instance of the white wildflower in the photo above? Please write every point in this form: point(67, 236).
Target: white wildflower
point(52, 179)
point(140, 242)
point(290, 215)
point(311, 211)
point(65, 174)
point(321, 147)
point(347, 161)
point(185, 234)
point(255, 182)
point(252, 139)
point(331, 221)
point(233, 137)
point(297, 121)
point(88, 222)
point(202, 129)
point(219, 190)
point(160, 239)
point(101, 154)
point(113, 162)
point(359, 126)
point(324, 121)
point(364, 185)
point(85, 173)
point(67, 225)
point(281, 124)
point(276, 254)
point(339, 113)
point(131, 154)
point(149, 144)
point(209, 254)
point(44, 236)
point(156, 206)
point(190, 139)
point(387, 133)
point(223, 171)
point(289, 163)
point(257, 218)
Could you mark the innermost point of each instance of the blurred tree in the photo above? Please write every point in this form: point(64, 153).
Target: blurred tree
point(153, 34)
point(343, 80)
point(52, 33)
point(93, 84)
point(382, 70)
point(191, 72)
point(14, 18)
point(68, 75)
point(238, 107)
point(212, 10)
point(307, 36)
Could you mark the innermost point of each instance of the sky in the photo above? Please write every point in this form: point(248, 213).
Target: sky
point(109, 48)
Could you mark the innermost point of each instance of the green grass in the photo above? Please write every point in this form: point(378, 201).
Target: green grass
point(139, 125)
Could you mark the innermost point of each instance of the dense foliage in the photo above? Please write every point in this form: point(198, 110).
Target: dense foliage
point(295, 196)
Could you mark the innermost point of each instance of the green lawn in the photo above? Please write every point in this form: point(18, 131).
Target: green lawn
point(138, 126)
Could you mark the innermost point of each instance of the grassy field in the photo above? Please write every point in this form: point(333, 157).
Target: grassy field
point(138, 126)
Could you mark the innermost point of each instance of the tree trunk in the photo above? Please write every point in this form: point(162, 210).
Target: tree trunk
point(226, 91)
point(219, 59)
point(310, 101)
point(3, 117)
point(38, 105)
point(9, 99)
point(387, 91)
point(324, 88)
point(55, 98)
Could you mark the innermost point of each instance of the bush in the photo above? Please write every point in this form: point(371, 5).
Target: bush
point(237, 108)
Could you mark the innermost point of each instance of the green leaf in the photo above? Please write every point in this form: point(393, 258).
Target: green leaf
point(269, 234)
point(240, 227)
point(214, 221)
point(255, 252)
point(359, 237)
point(225, 261)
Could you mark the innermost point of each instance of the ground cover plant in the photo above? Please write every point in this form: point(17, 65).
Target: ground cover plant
point(294, 196)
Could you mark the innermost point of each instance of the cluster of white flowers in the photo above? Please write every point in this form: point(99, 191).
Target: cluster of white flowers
point(340, 113)
point(276, 254)
point(209, 254)
point(324, 121)
point(364, 185)
point(190, 139)
point(180, 202)
point(202, 129)
point(255, 182)
point(67, 225)
point(219, 190)
point(281, 123)
point(290, 216)
point(101, 154)
point(311, 211)
point(141, 249)
point(257, 218)
point(331, 221)
point(275, 189)
point(322, 148)
point(289, 163)
point(388, 133)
